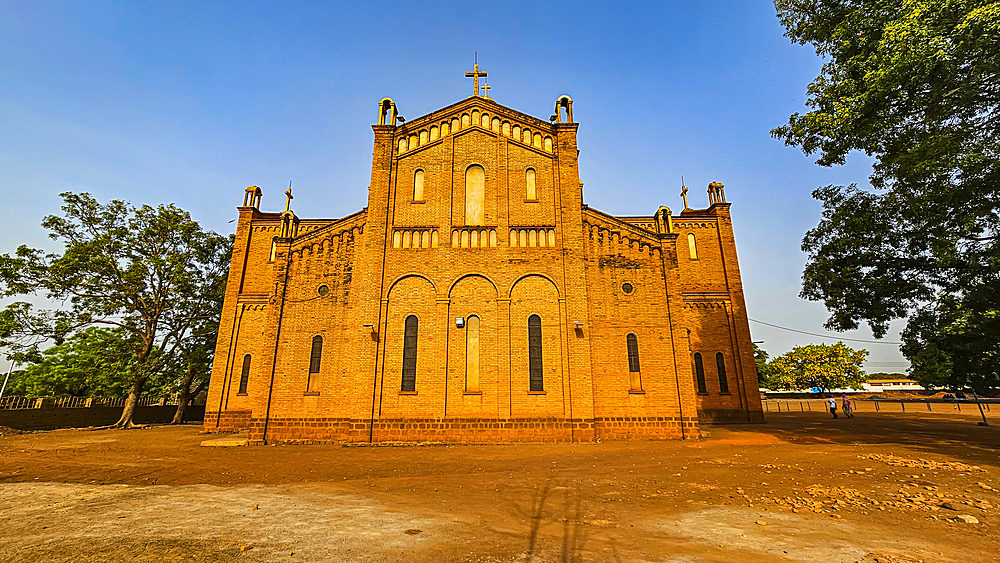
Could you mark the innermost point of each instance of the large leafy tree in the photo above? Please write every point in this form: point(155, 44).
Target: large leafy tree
point(952, 345)
point(818, 365)
point(915, 84)
point(150, 272)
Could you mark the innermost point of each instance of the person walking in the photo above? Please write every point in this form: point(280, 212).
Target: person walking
point(833, 406)
point(848, 407)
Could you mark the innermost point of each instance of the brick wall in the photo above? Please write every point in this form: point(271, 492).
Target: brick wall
point(48, 419)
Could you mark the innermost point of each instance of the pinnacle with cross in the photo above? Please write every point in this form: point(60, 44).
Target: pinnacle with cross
point(684, 194)
point(289, 198)
point(474, 75)
point(486, 91)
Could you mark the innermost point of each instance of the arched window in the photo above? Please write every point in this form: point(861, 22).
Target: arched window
point(720, 364)
point(535, 353)
point(632, 344)
point(244, 375)
point(691, 246)
point(475, 194)
point(633, 352)
point(418, 185)
point(699, 372)
point(410, 354)
point(472, 354)
point(315, 357)
point(530, 193)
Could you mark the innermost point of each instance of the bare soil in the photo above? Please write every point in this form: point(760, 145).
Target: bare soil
point(882, 487)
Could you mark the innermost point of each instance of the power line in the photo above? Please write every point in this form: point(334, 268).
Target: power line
point(825, 335)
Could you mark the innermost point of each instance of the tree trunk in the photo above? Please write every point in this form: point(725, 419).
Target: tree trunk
point(131, 402)
point(184, 395)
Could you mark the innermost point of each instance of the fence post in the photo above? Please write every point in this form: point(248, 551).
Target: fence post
point(43, 403)
point(876, 405)
point(928, 404)
point(902, 405)
point(959, 405)
point(801, 408)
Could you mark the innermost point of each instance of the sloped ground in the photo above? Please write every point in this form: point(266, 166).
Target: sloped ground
point(888, 487)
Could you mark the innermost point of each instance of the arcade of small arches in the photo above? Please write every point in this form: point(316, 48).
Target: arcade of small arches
point(476, 118)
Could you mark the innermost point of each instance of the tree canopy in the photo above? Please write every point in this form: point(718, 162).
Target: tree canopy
point(151, 273)
point(818, 365)
point(760, 357)
point(914, 84)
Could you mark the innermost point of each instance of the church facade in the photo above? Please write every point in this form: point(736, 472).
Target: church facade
point(478, 298)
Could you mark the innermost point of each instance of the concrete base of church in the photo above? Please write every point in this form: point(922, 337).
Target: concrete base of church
point(454, 430)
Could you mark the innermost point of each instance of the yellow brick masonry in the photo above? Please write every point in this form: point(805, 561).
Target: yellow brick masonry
point(550, 256)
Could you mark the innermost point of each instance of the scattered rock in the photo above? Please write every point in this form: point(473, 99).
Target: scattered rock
point(761, 523)
point(921, 463)
point(412, 532)
point(967, 518)
point(245, 548)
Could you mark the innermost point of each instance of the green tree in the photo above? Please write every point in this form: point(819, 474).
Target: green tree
point(760, 357)
point(954, 346)
point(913, 84)
point(818, 365)
point(93, 362)
point(148, 271)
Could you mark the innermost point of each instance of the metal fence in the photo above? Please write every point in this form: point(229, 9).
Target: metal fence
point(15, 402)
point(881, 404)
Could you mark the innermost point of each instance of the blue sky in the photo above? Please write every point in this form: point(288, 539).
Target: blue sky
point(190, 102)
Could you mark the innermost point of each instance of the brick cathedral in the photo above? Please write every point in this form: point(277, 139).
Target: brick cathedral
point(478, 298)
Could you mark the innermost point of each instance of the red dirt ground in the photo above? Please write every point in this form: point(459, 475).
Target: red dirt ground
point(802, 487)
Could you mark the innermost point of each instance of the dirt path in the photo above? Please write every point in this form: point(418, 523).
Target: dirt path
point(800, 488)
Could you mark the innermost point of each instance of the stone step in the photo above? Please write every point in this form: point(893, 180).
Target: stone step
point(227, 442)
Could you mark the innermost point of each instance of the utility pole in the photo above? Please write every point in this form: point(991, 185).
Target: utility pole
point(11, 368)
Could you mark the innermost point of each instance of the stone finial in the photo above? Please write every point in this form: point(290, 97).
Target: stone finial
point(664, 226)
point(564, 102)
point(387, 108)
point(716, 193)
point(251, 197)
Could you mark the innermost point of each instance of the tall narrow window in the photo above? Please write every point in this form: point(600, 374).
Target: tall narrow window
point(472, 354)
point(315, 357)
point(720, 364)
point(475, 194)
point(418, 185)
point(244, 375)
point(632, 344)
point(535, 353)
point(699, 372)
point(691, 246)
point(410, 354)
point(530, 193)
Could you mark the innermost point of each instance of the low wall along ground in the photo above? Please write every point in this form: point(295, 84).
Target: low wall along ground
point(82, 417)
